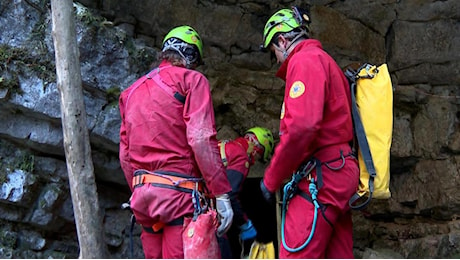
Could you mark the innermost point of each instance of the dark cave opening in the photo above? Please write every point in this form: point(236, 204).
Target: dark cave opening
point(262, 214)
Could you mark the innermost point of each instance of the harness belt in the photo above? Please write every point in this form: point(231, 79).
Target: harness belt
point(166, 180)
point(158, 227)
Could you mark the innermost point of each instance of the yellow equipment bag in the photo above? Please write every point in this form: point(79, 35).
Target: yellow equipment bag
point(262, 251)
point(372, 110)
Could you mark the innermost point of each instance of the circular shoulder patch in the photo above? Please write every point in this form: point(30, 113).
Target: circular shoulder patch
point(191, 232)
point(282, 111)
point(297, 89)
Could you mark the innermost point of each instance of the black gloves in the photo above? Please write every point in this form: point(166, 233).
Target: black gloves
point(268, 196)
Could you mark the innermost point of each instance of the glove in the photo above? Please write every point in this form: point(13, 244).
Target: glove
point(268, 196)
point(248, 231)
point(224, 209)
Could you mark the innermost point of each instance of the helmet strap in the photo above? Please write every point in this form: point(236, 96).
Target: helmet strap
point(278, 47)
point(180, 47)
point(285, 54)
point(303, 32)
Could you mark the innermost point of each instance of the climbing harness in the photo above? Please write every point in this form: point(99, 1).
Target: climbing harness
point(170, 180)
point(291, 189)
point(167, 180)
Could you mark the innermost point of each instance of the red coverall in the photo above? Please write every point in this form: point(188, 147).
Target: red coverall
point(239, 163)
point(160, 133)
point(315, 121)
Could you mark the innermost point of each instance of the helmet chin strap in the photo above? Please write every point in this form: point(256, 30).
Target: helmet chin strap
point(285, 53)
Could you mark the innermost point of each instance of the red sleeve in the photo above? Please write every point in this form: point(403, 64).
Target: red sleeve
point(303, 112)
point(124, 145)
point(237, 157)
point(201, 134)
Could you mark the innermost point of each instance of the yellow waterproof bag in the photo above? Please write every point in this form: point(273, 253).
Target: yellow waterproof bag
point(372, 112)
point(262, 251)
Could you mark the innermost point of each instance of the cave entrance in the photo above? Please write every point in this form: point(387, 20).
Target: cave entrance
point(263, 215)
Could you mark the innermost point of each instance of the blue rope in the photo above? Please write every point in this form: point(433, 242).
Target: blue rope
point(288, 188)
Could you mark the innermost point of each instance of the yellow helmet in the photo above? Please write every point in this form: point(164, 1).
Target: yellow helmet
point(265, 138)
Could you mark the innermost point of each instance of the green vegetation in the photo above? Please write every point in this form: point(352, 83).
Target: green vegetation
point(88, 18)
point(13, 61)
point(10, 84)
point(3, 177)
point(7, 56)
point(26, 163)
point(8, 238)
point(113, 94)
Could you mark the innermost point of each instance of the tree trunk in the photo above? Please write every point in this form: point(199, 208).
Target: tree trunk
point(88, 216)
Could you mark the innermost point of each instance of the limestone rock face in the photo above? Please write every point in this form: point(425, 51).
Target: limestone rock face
point(119, 40)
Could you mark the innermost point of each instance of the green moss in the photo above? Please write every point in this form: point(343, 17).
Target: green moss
point(7, 54)
point(12, 84)
point(19, 59)
point(113, 94)
point(8, 238)
point(26, 163)
point(10, 80)
point(3, 177)
point(39, 30)
point(140, 57)
point(88, 18)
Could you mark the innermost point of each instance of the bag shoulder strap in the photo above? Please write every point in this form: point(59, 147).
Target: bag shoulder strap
point(154, 74)
point(223, 156)
point(134, 87)
point(360, 135)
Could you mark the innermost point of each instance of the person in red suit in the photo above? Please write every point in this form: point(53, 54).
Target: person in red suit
point(315, 134)
point(168, 146)
point(238, 155)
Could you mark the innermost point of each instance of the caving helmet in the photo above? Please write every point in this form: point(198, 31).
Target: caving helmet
point(265, 138)
point(283, 21)
point(186, 41)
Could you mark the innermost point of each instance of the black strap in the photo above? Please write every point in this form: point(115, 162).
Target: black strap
point(131, 242)
point(168, 186)
point(176, 222)
point(363, 147)
point(319, 174)
point(322, 206)
point(175, 174)
point(180, 97)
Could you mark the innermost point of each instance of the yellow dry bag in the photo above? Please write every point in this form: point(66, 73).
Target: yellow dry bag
point(372, 112)
point(262, 251)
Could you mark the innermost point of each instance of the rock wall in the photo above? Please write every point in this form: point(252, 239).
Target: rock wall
point(119, 39)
